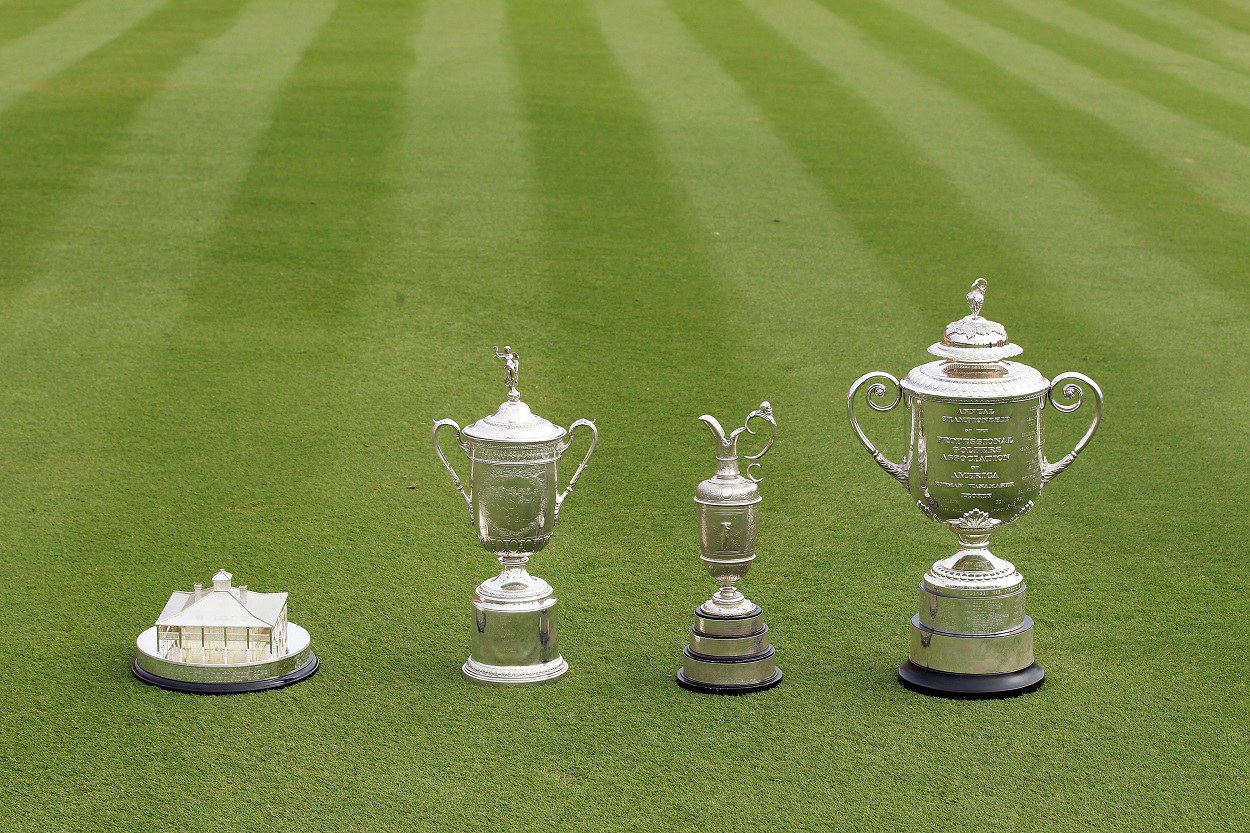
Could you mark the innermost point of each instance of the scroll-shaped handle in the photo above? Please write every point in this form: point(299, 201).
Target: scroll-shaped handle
point(594, 440)
point(468, 502)
point(1073, 392)
point(876, 391)
point(764, 412)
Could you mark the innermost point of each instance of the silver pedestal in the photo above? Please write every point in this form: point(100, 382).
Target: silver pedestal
point(515, 639)
point(972, 624)
point(728, 654)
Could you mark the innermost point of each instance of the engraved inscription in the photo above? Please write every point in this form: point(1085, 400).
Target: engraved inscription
point(971, 443)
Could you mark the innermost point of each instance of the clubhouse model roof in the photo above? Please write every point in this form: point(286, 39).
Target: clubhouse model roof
point(222, 607)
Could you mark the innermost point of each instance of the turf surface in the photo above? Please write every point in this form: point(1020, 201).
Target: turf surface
point(249, 249)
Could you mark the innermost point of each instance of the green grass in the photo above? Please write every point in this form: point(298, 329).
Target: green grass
point(249, 249)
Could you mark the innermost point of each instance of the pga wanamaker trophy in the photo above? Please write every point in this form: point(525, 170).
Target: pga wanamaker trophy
point(513, 502)
point(974, 462)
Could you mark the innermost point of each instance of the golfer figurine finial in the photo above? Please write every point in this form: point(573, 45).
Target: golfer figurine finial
point(511, 369)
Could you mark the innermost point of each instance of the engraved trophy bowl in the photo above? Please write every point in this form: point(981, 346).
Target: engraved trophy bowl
point(513, 502)
point(974, 461)
point(729, 650)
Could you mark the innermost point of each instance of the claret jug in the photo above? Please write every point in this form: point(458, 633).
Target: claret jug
point(975, 462)
point(729, 651)
point(514, 502)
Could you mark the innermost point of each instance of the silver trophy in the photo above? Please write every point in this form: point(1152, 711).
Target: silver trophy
point(729, 651)
point(513, 502)
point(974, 462)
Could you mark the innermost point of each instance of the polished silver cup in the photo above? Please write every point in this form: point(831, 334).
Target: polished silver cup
point(975, 462)
point(729, 651)
point(513, 502)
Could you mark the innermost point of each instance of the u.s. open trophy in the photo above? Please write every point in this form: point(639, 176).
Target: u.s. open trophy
point(729, 652)
point(974, 462)
point(513, 502)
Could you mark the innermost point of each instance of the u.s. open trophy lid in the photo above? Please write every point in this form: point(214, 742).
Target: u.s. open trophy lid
point(514, 422)
point(224, 640)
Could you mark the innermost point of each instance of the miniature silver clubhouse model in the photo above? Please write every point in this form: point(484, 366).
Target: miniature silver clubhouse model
point(224, 640)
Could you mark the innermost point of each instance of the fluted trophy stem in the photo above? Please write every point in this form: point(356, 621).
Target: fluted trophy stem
point(729, 650)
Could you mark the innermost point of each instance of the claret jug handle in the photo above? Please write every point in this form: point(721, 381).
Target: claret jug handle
point(594, 440)
point(468, 502)
point(1073, 389)
point(876, 391)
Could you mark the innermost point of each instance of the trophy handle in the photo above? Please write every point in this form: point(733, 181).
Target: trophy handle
point(876, 391)
point(447, 465)
point(764, 412)
point(1073, 391)
point(594, 440)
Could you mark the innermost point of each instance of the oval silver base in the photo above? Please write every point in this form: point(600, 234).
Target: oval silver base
point(298, 664)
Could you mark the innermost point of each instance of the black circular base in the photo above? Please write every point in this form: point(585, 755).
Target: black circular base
point(708, 688)
point(302, 673)
point(970, 686)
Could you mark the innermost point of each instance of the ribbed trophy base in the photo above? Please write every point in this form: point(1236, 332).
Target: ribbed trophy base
point(515, 642)
point(972, 638)
point(728, 655)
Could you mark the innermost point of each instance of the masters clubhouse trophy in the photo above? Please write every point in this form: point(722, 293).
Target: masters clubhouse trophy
point(513, 504)
point(729, 651)
point(974, 462)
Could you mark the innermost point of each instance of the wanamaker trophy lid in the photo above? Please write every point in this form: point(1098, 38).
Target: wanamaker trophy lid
point(514, 422)
point(974, 339)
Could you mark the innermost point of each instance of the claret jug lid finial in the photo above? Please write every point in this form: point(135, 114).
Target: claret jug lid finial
point(514, 422)
point(973, 339)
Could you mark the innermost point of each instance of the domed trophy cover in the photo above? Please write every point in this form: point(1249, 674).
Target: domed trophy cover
point(513, 502)
point(975, 463)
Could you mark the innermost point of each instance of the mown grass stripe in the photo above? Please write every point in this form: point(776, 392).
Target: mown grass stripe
point(18, 17)
point(1233, 45)
point(1204, 97)
point(882, 183)
point(621, 244)
point(455, 277)
point(27, 61)
point(1151, 22)
point(1094, 135)
point(52, 138)
point(110, 277)
point(1234, 17)
point(785, 254)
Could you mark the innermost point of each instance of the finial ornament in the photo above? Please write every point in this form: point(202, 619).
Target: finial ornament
point(976, 298)
point(511, 369)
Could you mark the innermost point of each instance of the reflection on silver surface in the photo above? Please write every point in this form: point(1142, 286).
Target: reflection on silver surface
point(513, 502)
point(729, 650)
point(974, 461)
